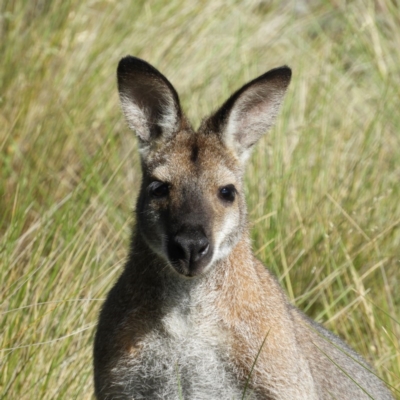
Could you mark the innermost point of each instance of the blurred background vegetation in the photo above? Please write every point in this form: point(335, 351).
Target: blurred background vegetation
point(323, 187)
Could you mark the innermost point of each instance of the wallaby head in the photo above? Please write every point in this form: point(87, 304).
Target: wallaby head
point(191, 209)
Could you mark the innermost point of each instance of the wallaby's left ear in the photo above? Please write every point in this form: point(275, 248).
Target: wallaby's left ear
point(149, 101)
point(251, 111)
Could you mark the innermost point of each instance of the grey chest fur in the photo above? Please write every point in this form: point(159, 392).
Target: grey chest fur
point(185, 359)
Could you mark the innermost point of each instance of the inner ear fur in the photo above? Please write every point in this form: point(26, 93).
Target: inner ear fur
point(149, 101)
point(251, 110)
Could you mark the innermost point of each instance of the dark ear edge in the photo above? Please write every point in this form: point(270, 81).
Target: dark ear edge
point(130, 63)
point(281, 76)
point(150, 103)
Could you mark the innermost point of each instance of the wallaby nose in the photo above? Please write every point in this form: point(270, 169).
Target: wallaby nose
point(189, 250)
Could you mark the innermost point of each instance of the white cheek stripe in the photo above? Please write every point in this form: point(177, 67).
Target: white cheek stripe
point(222, 251)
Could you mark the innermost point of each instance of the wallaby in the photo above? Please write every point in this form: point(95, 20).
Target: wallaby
point(194, 314)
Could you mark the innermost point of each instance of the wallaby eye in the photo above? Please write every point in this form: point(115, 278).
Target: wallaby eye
point(227, 193)
point(159, 189)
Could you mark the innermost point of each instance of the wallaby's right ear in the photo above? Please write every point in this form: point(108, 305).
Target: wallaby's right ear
point(250, 111)
point(149, 101)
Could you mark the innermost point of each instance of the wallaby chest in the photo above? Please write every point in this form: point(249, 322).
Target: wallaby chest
point(185, 357)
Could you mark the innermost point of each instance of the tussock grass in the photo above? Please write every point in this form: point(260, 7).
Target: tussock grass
point(323, 186)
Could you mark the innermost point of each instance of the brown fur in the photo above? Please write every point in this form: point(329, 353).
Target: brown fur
point(195, 314)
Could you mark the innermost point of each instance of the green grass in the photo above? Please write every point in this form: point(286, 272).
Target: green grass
point(323, 187)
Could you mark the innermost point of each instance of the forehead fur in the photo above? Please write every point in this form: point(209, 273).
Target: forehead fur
point(193, 155)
